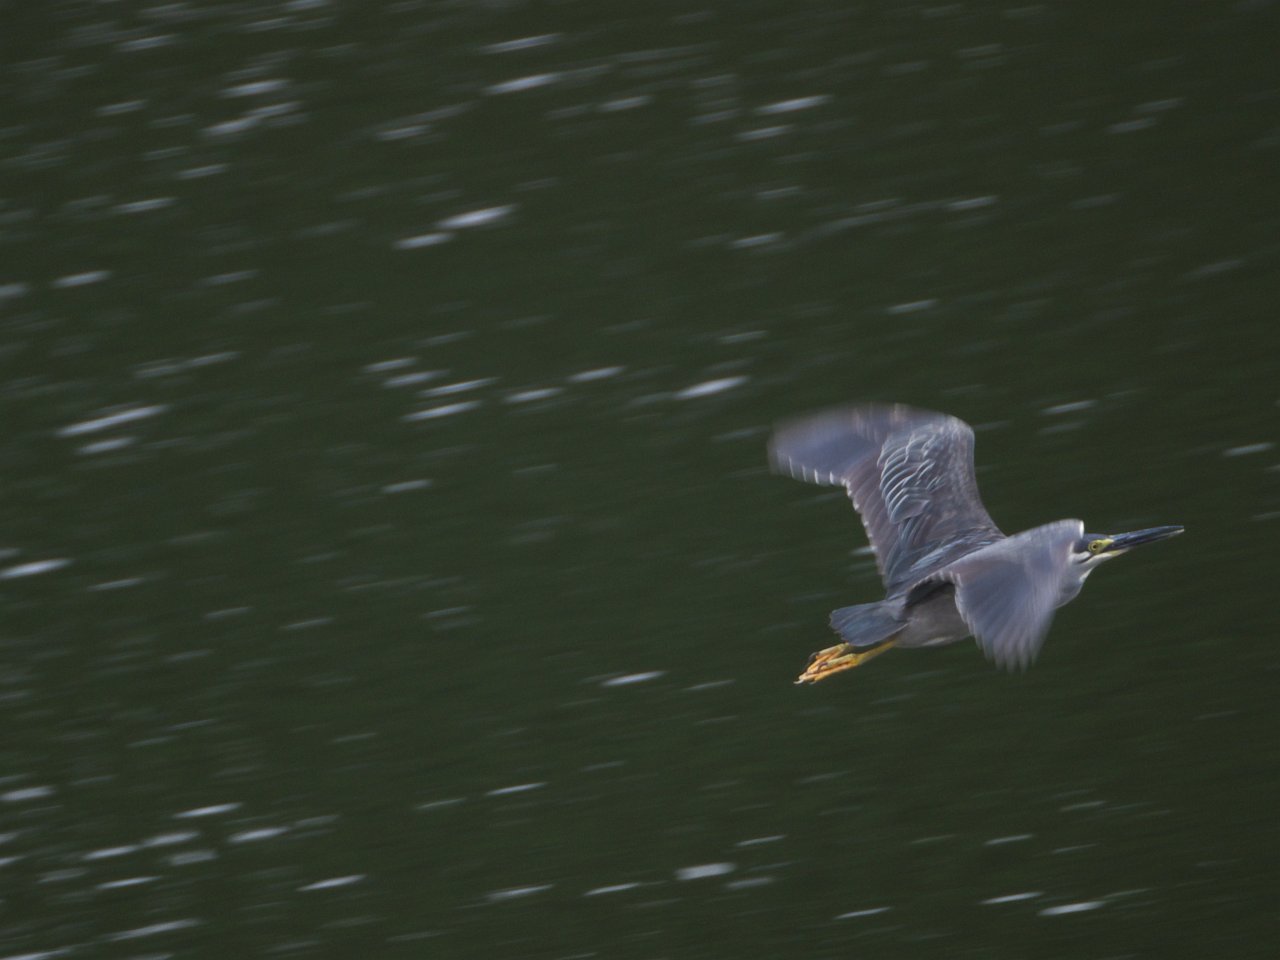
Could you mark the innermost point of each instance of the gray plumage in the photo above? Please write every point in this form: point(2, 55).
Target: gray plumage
point(948, 571)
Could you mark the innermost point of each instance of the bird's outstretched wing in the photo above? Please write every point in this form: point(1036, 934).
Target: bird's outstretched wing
point(909, 473)
point(1007, 592)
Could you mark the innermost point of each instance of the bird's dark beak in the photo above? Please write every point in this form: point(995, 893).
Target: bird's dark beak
point(1123, 541)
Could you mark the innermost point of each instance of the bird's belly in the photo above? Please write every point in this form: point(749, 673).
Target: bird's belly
point(933, 623)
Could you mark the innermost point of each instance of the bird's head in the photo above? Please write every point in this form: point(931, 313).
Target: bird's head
point(1093, 548)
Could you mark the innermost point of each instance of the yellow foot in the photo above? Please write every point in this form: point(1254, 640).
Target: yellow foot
point(840, 657)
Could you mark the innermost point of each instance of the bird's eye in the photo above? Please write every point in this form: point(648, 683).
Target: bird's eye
point(1097, 546)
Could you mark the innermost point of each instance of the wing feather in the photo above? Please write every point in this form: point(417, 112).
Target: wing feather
point(909, 473)
point(1006, 593)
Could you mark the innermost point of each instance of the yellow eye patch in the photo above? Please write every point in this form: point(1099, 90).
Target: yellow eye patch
point(1097, 546)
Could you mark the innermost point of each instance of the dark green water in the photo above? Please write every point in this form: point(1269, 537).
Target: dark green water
point(390, 564)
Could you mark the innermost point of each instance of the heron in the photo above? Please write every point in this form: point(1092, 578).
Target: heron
point(948, 571)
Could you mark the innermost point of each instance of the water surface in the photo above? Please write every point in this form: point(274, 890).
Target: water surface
point(389, 558)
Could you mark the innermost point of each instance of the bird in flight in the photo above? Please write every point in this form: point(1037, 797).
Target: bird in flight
point(948, 571)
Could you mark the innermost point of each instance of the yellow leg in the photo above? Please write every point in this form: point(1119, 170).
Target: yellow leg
point(840, 657)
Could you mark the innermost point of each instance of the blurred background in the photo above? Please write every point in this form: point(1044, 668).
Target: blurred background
point(390, 566)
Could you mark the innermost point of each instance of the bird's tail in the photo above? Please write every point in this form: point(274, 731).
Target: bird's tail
point(866, 624)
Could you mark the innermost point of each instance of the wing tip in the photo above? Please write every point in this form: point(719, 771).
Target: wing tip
point(1017, 661)
point(822, 447)
point(793, 468)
